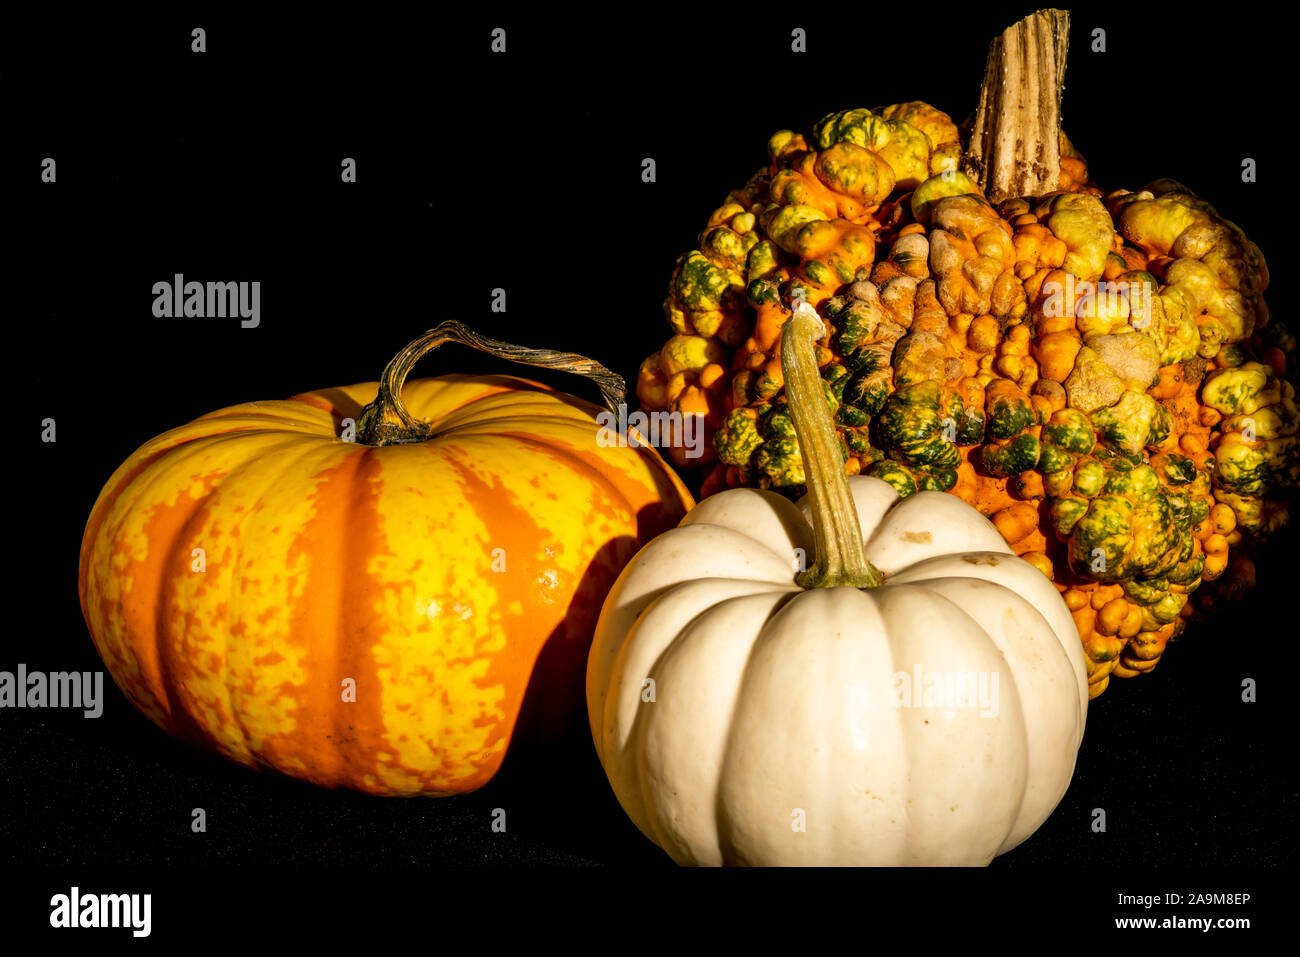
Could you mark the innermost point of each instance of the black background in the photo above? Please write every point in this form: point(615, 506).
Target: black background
point(523, 171)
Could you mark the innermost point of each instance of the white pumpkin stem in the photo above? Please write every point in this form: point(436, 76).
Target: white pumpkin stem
point(386, 421)
point(841, 556)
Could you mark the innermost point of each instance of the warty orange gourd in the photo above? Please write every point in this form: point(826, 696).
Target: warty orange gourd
point(1095, 369)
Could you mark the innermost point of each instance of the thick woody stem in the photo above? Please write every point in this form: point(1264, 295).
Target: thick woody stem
point(1015, 145)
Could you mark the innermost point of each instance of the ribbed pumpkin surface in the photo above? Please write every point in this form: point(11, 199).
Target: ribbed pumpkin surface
point(327, 560)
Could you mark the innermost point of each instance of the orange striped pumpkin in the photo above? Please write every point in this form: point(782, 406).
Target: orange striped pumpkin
point(246, 574)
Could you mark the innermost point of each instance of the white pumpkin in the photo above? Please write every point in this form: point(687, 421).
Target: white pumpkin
point(744, 719)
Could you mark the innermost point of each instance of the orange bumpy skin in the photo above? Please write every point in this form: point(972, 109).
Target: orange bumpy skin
point(242, 573)
point(1097, 372)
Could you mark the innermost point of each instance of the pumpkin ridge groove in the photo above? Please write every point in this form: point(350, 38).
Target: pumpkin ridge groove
point(233, 610)
point(357, 613)
point(125, 500)
point(170, 627)
point(727, 851)
point(509, 525)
